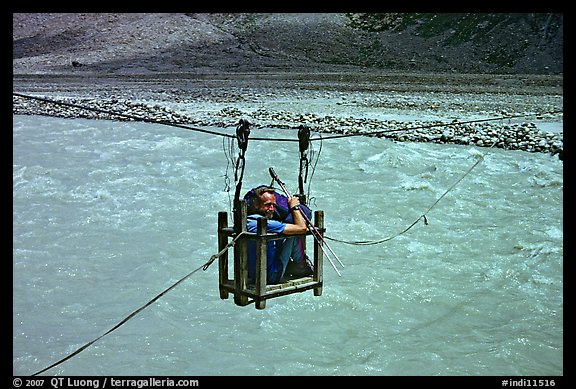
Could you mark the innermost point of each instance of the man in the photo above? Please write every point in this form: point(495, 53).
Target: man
point(279, 252)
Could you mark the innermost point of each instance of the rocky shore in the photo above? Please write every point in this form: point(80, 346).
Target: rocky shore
point(524, 135)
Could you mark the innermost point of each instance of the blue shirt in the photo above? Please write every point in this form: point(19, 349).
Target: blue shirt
point(273, 265)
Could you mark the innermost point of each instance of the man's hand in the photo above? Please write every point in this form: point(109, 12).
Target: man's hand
point(293, 202)
point(299, 226)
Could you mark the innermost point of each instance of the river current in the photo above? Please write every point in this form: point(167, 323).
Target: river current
point(107, 215)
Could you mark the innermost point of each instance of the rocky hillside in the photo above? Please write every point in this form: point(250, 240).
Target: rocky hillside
point(136, 43)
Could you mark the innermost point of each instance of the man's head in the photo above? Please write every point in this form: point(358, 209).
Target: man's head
point(264, 201)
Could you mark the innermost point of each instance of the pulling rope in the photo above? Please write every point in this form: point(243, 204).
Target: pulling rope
point(423, 216)
point(312, 152)
point(137, 311)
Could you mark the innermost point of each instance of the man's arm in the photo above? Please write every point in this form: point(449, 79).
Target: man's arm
point(299, 226)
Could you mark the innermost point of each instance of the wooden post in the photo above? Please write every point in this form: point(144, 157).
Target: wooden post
point(261, 261)
point(240, 253)
point(318, 253)
point(223, 260)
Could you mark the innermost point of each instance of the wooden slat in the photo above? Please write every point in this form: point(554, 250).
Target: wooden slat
point(240, 253)
point(261, 261)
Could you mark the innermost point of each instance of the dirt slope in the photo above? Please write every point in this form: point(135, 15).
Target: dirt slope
point(140, 43)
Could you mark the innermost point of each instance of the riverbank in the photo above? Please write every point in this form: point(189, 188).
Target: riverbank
point(510, 112)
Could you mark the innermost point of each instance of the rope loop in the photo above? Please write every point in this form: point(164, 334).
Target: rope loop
point(242, 133)
point(303, 138)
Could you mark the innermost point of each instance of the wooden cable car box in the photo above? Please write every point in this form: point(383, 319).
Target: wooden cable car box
point(258, 292)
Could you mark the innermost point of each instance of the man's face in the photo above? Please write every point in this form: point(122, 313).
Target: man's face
point(267, 205)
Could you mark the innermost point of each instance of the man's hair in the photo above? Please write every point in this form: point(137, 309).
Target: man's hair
point(257, 199)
